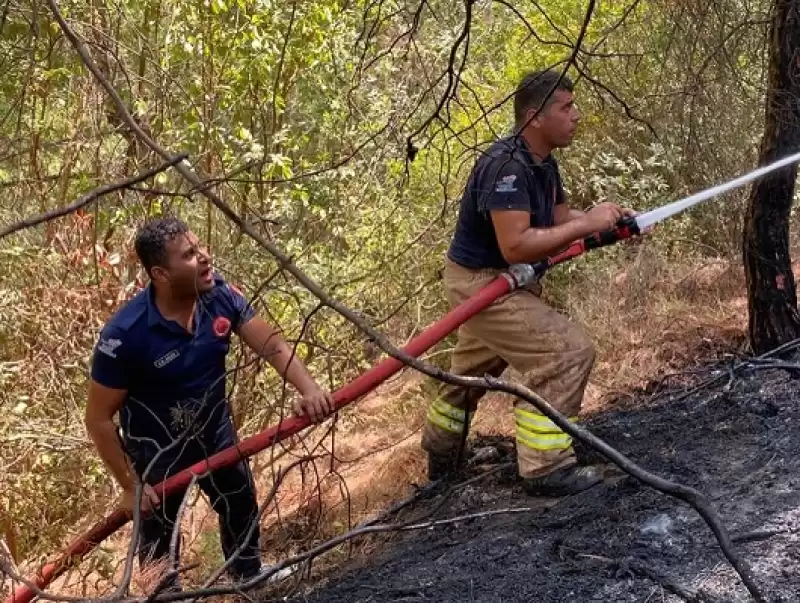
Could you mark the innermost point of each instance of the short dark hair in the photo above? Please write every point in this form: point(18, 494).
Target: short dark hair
point(152, 238)
point(532, 90)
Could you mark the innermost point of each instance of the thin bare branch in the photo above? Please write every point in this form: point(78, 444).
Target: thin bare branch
point(86, 199)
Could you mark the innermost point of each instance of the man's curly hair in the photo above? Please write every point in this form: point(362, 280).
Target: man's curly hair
point(152, 238)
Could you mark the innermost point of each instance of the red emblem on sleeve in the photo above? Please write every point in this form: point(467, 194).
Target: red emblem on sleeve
point(221, 326)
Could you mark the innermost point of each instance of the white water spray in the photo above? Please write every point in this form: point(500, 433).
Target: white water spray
point(662, 213)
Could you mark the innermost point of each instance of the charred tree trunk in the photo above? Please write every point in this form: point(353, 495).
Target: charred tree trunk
point(772, 295)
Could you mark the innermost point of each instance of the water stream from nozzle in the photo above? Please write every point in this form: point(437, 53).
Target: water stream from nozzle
point(662, 213)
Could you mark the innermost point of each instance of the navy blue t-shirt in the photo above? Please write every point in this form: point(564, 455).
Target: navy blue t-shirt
point(505, 177)
point(175, 379)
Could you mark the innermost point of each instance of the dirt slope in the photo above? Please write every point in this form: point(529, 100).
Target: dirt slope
point(621, 541)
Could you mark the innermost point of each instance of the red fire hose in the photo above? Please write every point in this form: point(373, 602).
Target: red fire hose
point(517, 276)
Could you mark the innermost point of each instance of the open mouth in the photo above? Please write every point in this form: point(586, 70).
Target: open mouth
point(206, 274)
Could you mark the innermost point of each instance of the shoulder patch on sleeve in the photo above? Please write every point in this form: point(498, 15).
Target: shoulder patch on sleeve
point(506, 184)
point(109, 346)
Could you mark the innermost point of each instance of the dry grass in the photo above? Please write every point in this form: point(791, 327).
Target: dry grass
point(657, 317)
point(373, 464)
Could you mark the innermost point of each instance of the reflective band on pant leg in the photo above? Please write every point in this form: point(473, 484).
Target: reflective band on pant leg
point(448, 410)
point(538, 423)
point(543, 442)
point(447, 416)
point(537, 432)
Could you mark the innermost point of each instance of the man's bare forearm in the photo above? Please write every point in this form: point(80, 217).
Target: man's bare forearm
point(575, 214)
point(104, 436)
point(538, 243)
point(563, 214)
point(288, 364)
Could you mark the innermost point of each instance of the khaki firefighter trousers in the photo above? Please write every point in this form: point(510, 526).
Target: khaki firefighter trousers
point(554, 355)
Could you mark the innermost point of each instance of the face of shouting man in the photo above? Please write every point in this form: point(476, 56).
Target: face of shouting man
point(176, 261)
point(187, 271)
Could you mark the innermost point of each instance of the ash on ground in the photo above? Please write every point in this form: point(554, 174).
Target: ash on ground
point(737, 441)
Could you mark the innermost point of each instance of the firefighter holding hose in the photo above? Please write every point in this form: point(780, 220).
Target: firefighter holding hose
point(514, 211)
point(160, 364)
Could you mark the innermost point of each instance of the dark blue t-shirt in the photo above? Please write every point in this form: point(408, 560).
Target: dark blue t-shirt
point(175, 379)
point(505, 177)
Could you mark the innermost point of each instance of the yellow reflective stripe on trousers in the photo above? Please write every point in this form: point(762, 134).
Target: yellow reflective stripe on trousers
point(538, 423)
point(537, 432)
point(445, 423)
point(447, 416)
point(448, 410)
point(556, 441)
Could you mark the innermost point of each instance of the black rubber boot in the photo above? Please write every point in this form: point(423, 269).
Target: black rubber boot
point(563, 482)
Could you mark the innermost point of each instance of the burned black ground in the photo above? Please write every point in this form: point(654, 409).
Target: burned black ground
point(737, 441)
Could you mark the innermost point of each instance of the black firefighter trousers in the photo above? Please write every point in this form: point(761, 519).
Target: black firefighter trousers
point(230, 490)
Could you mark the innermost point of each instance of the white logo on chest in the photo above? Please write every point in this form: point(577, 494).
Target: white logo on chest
point(166, 359)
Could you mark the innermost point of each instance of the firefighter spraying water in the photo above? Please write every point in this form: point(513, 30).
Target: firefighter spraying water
point(514, 211)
